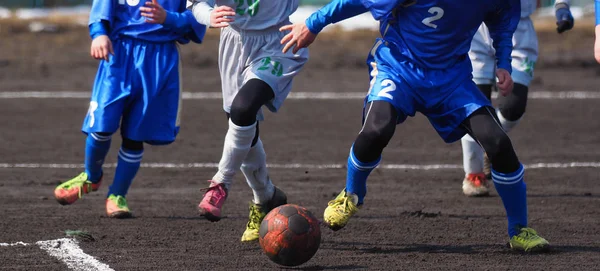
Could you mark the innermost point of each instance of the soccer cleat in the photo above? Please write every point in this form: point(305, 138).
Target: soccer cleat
point(339, 210)
point(73, 189)
point(214, 197)
point(116, 207)
point(528, 241)
point(487, 167)
point(475, 185)
point(258, 213)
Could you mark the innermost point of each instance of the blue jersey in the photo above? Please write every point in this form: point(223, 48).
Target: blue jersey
point(433, 34)
point(124, 20)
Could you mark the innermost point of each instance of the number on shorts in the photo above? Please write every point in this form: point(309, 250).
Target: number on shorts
point(275, 66)
point(437, 14)
point(388, 86)
point(91, 110)
point(240, 7)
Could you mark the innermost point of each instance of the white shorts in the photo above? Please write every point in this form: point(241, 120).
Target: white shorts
point(524, 54)
point(248, 54)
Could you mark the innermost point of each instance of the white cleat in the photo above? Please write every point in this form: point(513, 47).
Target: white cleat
point(476, 185)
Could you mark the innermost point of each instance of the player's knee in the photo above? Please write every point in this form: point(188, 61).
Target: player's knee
point(377, 132)
point(513, 107)
point(495, 143)
point(132, 144)
point(253, 95)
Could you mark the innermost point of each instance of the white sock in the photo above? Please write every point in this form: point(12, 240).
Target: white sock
point(257, 175)
point(508, 125)
point(472, 155)
point(236, 147)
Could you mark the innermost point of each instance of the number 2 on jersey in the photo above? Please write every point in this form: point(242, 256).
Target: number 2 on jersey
point(437, 12)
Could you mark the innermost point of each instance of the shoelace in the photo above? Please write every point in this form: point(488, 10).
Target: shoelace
point(215, 196)
point(121, 202)
point(343, 202)
point(255, 217)
point(477, 180)
point(79, 181)
point(526, 234)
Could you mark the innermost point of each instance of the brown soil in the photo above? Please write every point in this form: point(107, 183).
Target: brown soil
point(413, 219)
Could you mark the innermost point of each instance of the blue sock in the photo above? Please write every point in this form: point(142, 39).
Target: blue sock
point(512, 190)
point(127, 166)
point(96, 148)
point(356, 178)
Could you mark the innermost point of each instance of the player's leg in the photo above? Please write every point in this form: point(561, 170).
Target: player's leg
point(128, 164)
point(102, 120)
point(389, 101)
point(365, 154)
point(507, 175)
point(525, 51)
point(238, 143)
point(151, 116)
point(475, 164)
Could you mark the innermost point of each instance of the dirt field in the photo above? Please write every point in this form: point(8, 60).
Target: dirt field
point(413, 218)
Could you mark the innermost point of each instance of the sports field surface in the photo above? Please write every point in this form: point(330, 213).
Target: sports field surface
point(415, 216)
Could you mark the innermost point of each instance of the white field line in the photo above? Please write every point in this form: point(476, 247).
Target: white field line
point(68, 251)
point(543, 95)
point(303, 166)
point(13, 244)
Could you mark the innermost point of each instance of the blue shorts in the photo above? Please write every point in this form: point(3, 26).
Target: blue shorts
point(139, 88)
point(445, 97)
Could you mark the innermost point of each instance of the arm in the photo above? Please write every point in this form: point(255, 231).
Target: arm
point(335, 11)
point(564, 18)
point(502, 25)
point(201, 10)
point(99, 27)
point(205, 13)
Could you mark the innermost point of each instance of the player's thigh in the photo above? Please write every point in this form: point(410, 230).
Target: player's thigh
point(483, 59)
point(232, 60)
point(449, 114)
point(277, 69)
point(525, 52)
point(110, 93)
point(386, 85)
point(154, 115)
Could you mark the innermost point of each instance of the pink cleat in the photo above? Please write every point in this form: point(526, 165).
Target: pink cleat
point(210, 206)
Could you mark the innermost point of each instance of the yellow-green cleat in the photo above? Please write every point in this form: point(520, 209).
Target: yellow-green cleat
point(528, 241)
point(258, 213)
point(116, 207)
point(340, 210)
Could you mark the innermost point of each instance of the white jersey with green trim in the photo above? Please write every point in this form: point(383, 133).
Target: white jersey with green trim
point(250, 14)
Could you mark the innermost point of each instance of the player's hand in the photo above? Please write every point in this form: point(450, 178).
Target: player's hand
point(564, 18)
point(597, 44)
point(154, 12)
point(221, 16)
point(505, 82)
point(298, 38)
point(101, 48)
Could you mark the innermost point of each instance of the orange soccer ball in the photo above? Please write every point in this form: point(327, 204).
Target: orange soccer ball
point(290, 235)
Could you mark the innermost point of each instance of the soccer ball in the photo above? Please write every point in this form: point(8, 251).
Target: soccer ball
point(290, 235)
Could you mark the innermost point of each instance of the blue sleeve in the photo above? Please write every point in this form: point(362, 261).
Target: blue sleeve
point(597, 5)
point(381, 8)
point(184, 23)
point(335, 11)
point(99, 29)
point(502, 25)
point(102, 10)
